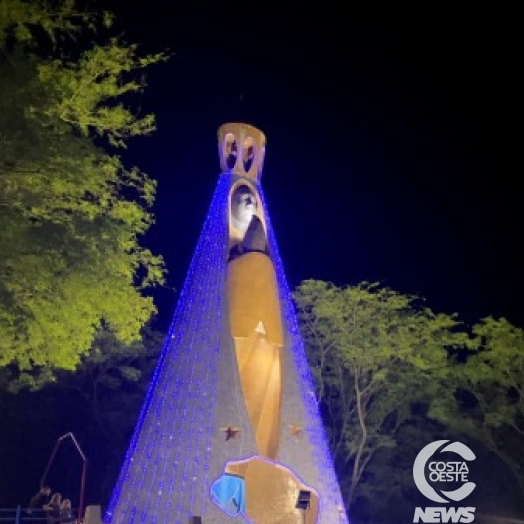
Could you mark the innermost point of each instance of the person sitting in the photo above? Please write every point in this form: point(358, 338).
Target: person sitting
point(37, 503)
point(53, 509)
point(66, 512)
point(38, 500)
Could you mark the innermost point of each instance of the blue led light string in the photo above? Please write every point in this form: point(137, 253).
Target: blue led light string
point(179, 416)
point(217, 268)
point(214, 266)
point(194, 472)
point(201, 291)
point(212, 369)
point(172, 385)
point(160, 416)
point(134, 440)
point(315, 429)
point(182, 383)
point(149, 458)
point(186, 475)
point(166, 393)
point(149, 439)
point(191, 442)
point(178, 421)
point(183, 366)
point(166, 420)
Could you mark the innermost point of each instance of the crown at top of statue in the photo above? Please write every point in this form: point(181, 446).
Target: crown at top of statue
point(241, 148)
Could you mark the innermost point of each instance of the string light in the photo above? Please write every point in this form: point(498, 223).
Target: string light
point(328, 489)
point(164, 472)
point(165, 475)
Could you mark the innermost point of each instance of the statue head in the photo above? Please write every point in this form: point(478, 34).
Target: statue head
point(243, 207)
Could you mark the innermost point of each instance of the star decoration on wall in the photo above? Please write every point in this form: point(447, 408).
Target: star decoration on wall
point(296, 431)
point(230, 431)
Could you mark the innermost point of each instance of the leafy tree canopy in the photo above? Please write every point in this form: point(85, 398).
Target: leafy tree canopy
point(72, 214)
point(490, 393)
point(374, 353)
point(99, 403)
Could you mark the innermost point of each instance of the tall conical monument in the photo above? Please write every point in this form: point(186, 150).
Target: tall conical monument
point(230, 430)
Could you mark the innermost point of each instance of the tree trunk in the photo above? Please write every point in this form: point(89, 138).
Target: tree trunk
point(357, 466)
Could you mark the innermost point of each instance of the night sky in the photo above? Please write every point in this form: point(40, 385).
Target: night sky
point(389, 153)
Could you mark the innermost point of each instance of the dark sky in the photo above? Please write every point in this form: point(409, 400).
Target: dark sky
point(389, 155)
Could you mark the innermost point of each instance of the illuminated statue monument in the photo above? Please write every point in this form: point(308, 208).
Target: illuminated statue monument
point(230, 430)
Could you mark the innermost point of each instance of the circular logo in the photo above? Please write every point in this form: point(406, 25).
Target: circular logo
point(443, 471)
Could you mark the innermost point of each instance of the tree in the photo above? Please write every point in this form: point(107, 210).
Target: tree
point(99, 402)
point(110, 384)
point(491, 392)
point(71, 261)
point(19, 18)
point(112, 366)
point(373, 353)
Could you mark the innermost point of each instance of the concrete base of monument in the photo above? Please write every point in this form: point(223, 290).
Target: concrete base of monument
point(264, 492)
point(93, 515)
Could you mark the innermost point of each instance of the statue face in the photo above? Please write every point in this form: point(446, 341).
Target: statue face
point(243, 207)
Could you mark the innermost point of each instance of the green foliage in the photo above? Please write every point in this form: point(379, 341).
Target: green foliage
point(386, 491)
point(373, 353)
point(99, 402)
point(20, 18)
point(110, 383)
point(492, 380)
point(72, 214)
point(86, 91)
point(111, 364)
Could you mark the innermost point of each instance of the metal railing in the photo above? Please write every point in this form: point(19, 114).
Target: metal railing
point(20, 515)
